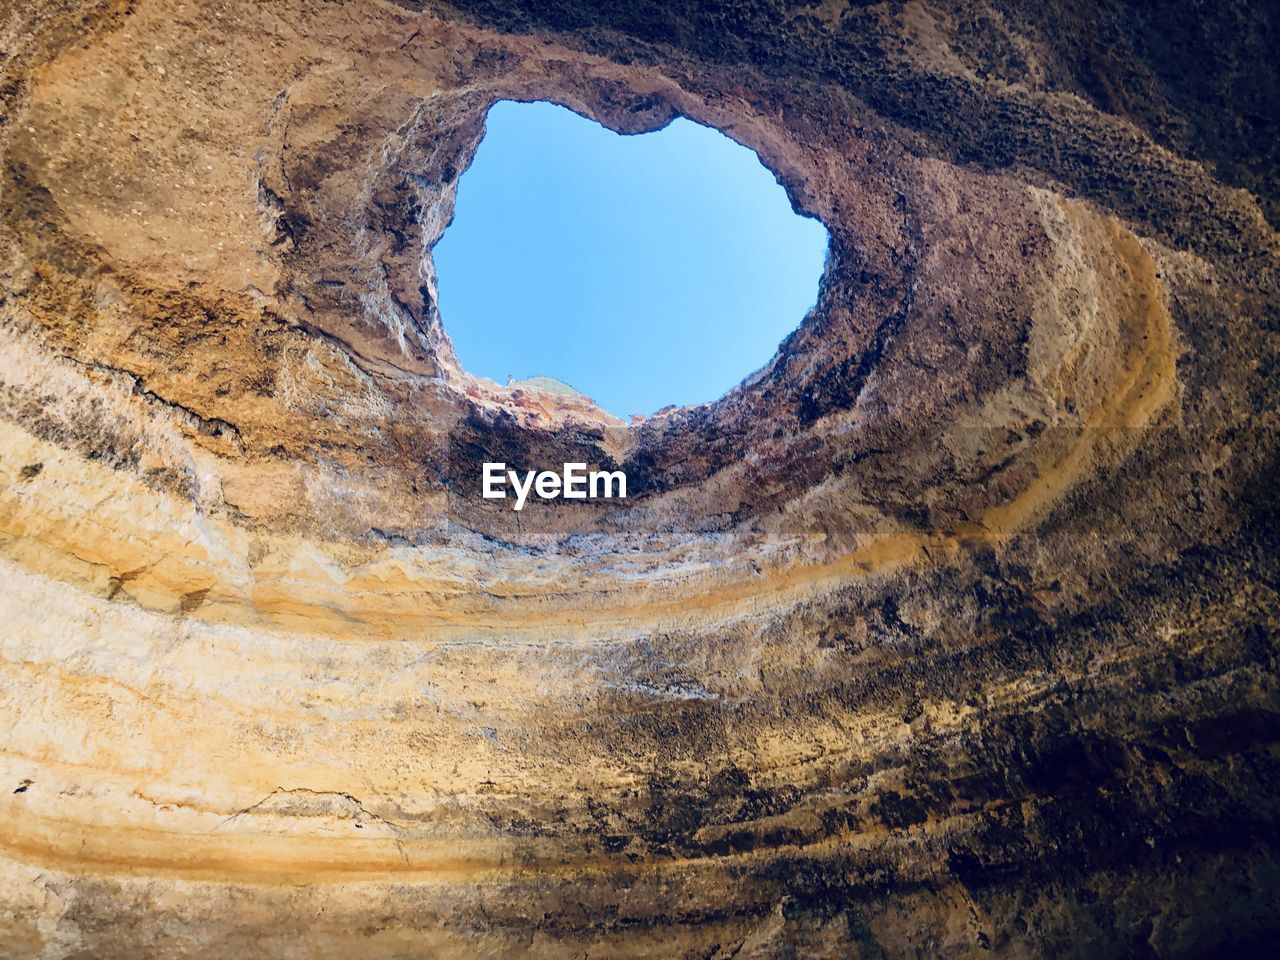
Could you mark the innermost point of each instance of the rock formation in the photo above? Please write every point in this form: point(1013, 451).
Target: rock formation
point(952, 630)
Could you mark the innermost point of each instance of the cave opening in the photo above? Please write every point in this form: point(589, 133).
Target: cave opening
point(643, 271)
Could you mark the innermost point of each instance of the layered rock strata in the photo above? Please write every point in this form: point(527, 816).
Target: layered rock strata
point(951, 630)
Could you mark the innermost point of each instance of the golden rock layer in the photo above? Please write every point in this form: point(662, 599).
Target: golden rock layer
point(951, 630)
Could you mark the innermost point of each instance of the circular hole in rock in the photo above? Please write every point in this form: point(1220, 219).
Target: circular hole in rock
point(643, 271)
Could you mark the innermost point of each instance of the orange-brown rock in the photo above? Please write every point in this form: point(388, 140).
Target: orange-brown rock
point(952, 630)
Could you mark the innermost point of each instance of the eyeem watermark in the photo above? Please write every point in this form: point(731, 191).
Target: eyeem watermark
point(572, 483)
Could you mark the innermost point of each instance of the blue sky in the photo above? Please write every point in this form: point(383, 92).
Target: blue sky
point(642, 270)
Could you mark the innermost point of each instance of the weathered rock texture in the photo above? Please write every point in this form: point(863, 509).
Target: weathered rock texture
point(951, 630)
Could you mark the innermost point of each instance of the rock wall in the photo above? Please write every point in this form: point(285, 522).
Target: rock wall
point(951, 631)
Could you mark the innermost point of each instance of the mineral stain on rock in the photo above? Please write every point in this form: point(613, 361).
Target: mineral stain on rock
point(952, 631)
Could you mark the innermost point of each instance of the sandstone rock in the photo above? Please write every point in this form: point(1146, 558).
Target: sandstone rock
point(951, 630)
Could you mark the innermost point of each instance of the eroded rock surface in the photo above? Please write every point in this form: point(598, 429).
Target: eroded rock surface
point(950, 631)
